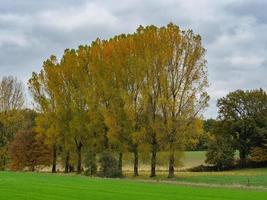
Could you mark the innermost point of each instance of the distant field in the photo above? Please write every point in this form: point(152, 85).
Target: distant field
point(185, 159)
point(193, 158)
point(251, 177)
point(244, 177)
point(34, 186)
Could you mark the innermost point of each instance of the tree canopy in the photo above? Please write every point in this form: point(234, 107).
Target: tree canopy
point(146, 87)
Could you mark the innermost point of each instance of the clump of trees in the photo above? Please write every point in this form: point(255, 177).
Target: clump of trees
point(116, 95)
point(242, 127)
point(13, 116)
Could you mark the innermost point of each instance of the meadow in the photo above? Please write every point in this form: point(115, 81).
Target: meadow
point(231, 185)
point(249, 178)
point(42, 186)
point(243, 177)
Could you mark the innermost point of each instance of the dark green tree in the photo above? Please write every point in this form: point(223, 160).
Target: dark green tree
point(245, 112)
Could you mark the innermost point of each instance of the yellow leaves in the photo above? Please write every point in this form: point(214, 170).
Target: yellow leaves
point(111, 122)
point(137, 136)
point(47, 125)
point(149, 78)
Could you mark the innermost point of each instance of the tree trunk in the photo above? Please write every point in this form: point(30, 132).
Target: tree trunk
point(106, 140)
point(71, 168)
point(67, 165)
point(32, 167)
point(153, 162)
point(79, 158)
point(54, 159)
point(4, 163)
point(136, 163)
point(120, 163)
point(171, 165)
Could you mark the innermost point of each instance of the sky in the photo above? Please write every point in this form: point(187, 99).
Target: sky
point(234, 32)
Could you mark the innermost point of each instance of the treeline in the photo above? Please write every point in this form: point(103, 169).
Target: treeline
point(13, 117)
point(113, 96)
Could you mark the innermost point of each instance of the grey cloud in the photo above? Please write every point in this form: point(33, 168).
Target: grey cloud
point(255, 8)
point(233, 33)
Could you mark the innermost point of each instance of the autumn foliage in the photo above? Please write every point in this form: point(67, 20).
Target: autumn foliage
point(28, 151)
point(144, 88)
point(138, 93)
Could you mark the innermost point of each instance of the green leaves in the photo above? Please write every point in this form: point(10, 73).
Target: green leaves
point(245, 112)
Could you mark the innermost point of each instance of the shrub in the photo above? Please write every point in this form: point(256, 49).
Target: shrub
point(90, 163)
point(3, 157)
point(109, 166)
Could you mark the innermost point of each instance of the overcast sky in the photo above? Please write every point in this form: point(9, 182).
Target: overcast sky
point(234, 33)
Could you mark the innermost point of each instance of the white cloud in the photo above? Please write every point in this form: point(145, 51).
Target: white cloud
point(71, 18)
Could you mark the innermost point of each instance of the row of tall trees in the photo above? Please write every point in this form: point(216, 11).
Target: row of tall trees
point(114, 95)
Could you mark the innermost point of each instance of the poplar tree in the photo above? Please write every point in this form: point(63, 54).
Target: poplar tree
point(183, 86)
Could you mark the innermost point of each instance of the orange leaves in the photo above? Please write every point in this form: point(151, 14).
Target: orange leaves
point(28, 151)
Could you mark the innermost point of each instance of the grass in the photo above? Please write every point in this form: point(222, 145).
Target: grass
point(251, 177)
point(244, 177)
point(34, 186)
point(227, 185)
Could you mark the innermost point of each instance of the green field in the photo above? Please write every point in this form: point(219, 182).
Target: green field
point(228, 185)
point(34, 186)
point(244, 177)
point(251, 177)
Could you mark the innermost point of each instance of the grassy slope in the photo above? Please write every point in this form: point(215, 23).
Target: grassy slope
point(24, 186)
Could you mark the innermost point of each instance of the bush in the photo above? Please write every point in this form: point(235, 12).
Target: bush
point(203, 168)
point(220, 152)
point(90, 163)
point(109, 166)
point(29, 151)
